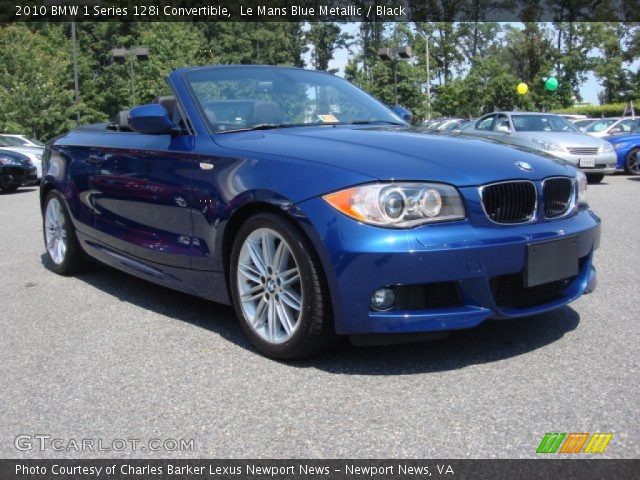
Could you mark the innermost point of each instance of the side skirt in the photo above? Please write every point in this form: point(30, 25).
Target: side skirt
point(206, 284)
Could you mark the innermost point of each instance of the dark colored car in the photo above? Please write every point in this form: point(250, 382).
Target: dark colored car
point(317, 212)
point(16, 170)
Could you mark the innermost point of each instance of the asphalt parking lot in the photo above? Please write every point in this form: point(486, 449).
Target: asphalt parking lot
point(107, 356)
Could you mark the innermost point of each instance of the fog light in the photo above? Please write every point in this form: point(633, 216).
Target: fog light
point(383, 299)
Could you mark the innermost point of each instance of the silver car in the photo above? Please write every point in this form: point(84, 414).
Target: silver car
point(551, 134)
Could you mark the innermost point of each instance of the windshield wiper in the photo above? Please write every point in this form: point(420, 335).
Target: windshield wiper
point(271, 126)
point(374, 122)
point(260, 126)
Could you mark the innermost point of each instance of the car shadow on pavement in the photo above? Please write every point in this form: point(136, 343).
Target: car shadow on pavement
point(20, 190)
point(209, 315)
point(490, 342)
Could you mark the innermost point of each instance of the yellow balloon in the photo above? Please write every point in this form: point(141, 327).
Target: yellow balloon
point(522, 88)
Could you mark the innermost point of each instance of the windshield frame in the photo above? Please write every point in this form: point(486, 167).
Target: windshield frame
point(393, 118)
point(572, 127)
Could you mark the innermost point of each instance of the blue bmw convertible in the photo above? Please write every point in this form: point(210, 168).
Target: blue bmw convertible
point(316, 211)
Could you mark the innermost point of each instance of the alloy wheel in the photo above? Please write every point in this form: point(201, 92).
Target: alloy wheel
point(633, 163)
point(269, 285)
point(55, 231)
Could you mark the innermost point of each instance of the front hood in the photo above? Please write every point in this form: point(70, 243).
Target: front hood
point(564, 139)
point(399, 153)
point(22, 160)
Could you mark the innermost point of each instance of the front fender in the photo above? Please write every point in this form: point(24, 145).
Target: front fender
point(234, 183)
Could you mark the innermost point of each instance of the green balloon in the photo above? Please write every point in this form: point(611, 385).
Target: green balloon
point(551, 84)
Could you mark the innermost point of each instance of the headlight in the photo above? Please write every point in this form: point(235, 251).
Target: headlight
point(8, 161)
point(581, 182)
point(606, 147)
point(399, 205)
point(547, 146)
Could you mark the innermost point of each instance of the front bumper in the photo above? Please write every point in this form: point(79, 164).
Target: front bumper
point(16, 175)
point(359, 259)
point(606, 162)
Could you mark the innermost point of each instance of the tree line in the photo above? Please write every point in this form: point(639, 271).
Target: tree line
point(475, 66)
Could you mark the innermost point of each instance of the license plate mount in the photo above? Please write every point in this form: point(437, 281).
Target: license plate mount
point(551, 261)
point(589, 162)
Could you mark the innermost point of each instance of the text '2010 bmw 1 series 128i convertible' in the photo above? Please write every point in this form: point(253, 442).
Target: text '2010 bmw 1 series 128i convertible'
point(316, 211)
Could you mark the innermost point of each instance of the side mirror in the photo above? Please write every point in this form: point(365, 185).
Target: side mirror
point(152, 119)
point(404, 113)
point(502, 129)
point(613, 131)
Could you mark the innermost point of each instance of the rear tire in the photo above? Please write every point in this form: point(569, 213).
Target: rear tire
point(64, 253)
point(278, 289)
point(595, 177)
point(632, 162)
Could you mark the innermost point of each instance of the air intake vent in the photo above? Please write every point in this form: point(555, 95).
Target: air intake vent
point(429, 296)
point(510, 202)
point(558, 193)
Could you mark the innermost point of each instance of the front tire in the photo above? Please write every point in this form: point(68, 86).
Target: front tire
point(63, 249)
point(278, 289)
point(595, 177)
point(632, 162)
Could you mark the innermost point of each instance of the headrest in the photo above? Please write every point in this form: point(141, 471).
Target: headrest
point(122, 120)
point(168, 102)
point(266, 112)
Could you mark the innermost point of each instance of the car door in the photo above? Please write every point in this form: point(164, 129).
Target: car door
point(142, 194)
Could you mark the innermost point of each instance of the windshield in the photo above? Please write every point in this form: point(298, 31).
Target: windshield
point(541, 123)
point(601, 125)
point(240, 98)
point(7, 141)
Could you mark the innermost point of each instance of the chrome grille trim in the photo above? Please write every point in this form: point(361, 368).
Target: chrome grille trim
point(583, 150)
point(519, 207)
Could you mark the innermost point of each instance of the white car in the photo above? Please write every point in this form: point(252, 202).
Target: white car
point(34, 152)
point(20, 140)
point(604, 127)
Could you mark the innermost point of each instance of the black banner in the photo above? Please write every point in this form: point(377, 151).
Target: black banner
point(320, 10)
point(566, 469)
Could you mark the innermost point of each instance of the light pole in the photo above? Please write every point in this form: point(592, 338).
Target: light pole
point(426, 58)
point(394, 54)
point(121, 55)
point(74, 55)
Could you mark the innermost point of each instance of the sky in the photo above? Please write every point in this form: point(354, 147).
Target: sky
point(589, 89)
